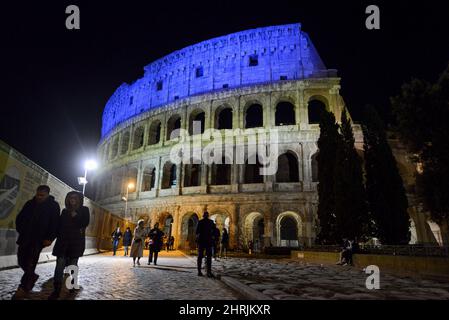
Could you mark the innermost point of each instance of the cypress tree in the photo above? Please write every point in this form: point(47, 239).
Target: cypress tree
point(327, 145)
point(352, 220)
point(385, 190)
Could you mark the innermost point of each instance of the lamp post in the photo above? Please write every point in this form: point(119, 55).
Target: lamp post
point(88, 165)
point(129, 186)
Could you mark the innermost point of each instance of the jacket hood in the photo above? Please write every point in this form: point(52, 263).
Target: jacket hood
point(78, 194)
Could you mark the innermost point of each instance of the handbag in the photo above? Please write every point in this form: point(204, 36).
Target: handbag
point(137, 240)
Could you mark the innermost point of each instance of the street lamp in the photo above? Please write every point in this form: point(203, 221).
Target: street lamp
point(88, 165)
point(129, 186)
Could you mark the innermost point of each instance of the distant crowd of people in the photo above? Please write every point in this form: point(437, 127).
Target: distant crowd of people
point(209, 241)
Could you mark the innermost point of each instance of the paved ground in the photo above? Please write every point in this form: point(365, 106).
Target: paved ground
point(292, 280)
point(106, 277)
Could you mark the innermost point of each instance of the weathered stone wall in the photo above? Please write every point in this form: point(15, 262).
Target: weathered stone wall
point(243, 204)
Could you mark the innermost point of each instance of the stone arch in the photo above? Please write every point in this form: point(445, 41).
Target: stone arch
point(166, 221)
point(188, 230)
point(223, 117)
point(169, 178)
point(197, 115)
point(221, 219)
point(253, 229)
point(154, 132)
point(288, 167)
point(285, 114)
point(222, 172)
point(148, 178)
point(131, 177)
point(173, 124)
point(192, 173)
point(138, 137)
point(285, 222)
point(253, 115)
point(252, 170)
point(315, 106)
point(125, 143)
point(114, 147)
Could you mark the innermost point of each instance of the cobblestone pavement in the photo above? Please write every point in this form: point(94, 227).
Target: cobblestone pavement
point(105, 277)
point(288, 279)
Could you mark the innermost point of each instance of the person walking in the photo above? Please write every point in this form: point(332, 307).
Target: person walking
point(216, 242)
point(172, 243)
point(205, 242)
point(116, 236)
point(37, 225)
point(127, 238)
point(156, 243)
point(224, 243)
point(137, 244)
point(71, 238)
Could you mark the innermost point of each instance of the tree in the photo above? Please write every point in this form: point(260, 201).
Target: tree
point(327, 145)
point(384, 187)
point(422, 112)
point(352, 220)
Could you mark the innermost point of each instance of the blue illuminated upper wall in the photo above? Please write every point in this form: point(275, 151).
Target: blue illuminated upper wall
point(254, 56)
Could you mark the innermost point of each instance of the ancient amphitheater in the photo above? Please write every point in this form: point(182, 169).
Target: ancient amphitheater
point(238, 89)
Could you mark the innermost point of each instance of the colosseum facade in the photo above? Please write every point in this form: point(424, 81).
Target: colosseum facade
point(243, 87)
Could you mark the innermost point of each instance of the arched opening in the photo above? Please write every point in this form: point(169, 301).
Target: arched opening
point(188, 231)
point(168, 226)
point(254, 116)
point(224, 118)
point(168, 175)
point(138, 137)
point(173, 126)
point(192, 174)
point(314, 163)
point(288, 169)
point(252, 170)
point(221, 173)
point(154, 135)
point(285, 114)
point(314, 109)
point(289, 232)
point(221, 221)
point(125, 143)
point(148, 178)
point(254, 227)
point(196, 122)
point(114, 148)
point(131, 177)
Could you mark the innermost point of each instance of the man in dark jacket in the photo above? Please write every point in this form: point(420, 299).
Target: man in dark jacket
point(37, 225)
point(71, 237)
point(116, 236)
point(205, 240)
point(156, 243)
point(127, 238)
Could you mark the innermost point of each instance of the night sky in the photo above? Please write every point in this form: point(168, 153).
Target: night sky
point(55, 82)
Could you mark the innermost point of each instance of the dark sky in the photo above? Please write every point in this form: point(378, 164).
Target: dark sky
point(55, 82)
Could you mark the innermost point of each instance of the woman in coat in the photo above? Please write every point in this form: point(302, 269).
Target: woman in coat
point(71, 237)
point(127, 238)
point(138, 242)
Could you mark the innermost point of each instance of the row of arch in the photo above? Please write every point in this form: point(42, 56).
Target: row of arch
point(221, 174)
point(285, 114)
point(289, 229)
